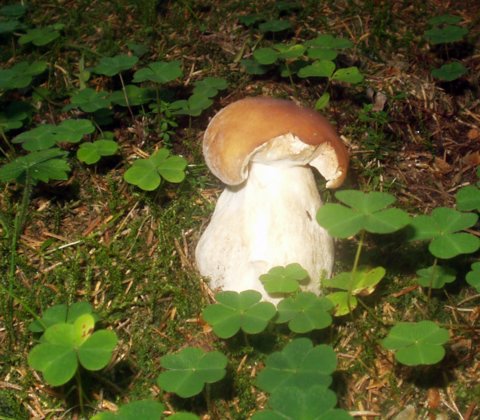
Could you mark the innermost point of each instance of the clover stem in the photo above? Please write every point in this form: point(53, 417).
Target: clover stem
point(432, 278)
point(208, 397)
point(78, 379)
point(245, 338)
point(126, 96)
point(355, 267)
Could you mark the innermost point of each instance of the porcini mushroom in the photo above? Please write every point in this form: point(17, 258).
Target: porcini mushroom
point(262, 149)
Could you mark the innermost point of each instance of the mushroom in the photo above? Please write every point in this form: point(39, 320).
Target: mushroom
point(262, 149)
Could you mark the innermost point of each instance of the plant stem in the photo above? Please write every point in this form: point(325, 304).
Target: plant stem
point(126, 96)
point(355, 267)
point(78, 379)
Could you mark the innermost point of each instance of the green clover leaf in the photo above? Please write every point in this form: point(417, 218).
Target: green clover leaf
point(136, 96)
point(210, 86)
point(292, 403)
point(91, 153)
point(441, 228)
point(348, 75)
point(319, 68)
point(40, 166)
point(304, 312)
point(366, 211)
point(446, 34)
point(473, 276)
point(417, 343)
point(20, 75)
point(89, 100)
point(110, 66)
point(265, 56)
point(436, 276)
point(39, 36)
point(147, 173)
point(234, 311)
point(449, 71)
point(282, 280)
point(189, 370)
point(274, 25)
point(159, 72)
point(468, 198)
point(299, 364)
point(144, 409)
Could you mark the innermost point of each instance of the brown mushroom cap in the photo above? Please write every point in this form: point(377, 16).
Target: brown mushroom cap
point(240, 128)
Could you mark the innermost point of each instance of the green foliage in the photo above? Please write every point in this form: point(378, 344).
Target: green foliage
point(47, 135)
point(91, 153)
point(442, 228)
point(44, 165)
point(89, 100)
point(111, 66)
point(234, 311)
point(419, 343)
point(284, 280)
point(361, 282)
point(66, 345)
point(41, 36)
point(61, 313)
point(468, 198)
point(292, 403)
point(366, 211)
point(300, 364)
point(189, 370)
point(275, 25)
point(304, 312)
point(21, 74)
point(209, 87)
point(135, 95)
point(159, 72)
point(148, 173)
point(135, 410)
point(473, 276)
point(450, 71)
point(436, 276)
point(445, 34)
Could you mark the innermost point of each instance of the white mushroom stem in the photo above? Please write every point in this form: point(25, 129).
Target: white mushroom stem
point(267, 221)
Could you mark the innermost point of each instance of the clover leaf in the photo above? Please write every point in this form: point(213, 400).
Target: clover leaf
point(40, 36)
point(417, 343)
point(436, 276)
point(362, 282)
point(319, 68)
point(159, 72)
point(265, 56)
point(144, 409)
point(110, 66)
point(15, 10)
point(91, 153)
point(66, 345)
point(136, 96)
point(192, 106)
point(328, 41)
point(148, 173)
point(473, 276)
point(441, 228)
point(47, 135)
point(61, 314)
point(468, 198)
point(39, 166)
point(284, 279)
point(209, 86)
point(446, 34)
point(291, 403)
point(304, 312)
point(348, 75)
point(449, 71)
point(444, 19)
point(89, 100)
point(274, 25)
point(366, 211)
point(234, 311)
point(188, 371)
point(20, 75)
point(299, 364)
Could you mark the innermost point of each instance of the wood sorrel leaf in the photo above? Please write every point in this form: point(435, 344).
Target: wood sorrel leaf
point(189, 370)
point(299, 364)
point(282, 280)
point(367, 211)
point(234, 311)
point(304, 312)
point(417, 343)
